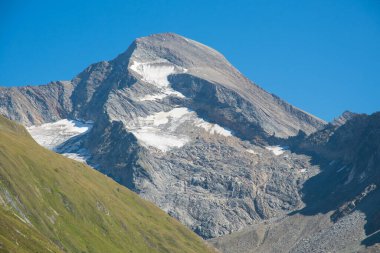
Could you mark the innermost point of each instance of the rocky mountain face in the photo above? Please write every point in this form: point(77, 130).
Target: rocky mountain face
point(37, 104)
point(341, 212)
point(342, 119)
point(175, 122)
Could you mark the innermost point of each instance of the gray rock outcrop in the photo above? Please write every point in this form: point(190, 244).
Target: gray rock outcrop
point(342, 202)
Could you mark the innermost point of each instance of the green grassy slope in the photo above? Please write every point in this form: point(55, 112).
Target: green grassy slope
point(49, 203)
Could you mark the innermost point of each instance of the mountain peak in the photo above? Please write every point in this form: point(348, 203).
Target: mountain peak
point(197, 62)
point(163, 36)
point(176, 50)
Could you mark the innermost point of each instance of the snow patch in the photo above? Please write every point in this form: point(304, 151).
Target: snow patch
point(51, 135)
point(162, 95)
point(157, 139)
point(159, 129)
point(161, 118)
point(163, 130)
point(213, 128)
point(252, 151)
point(277, 150)
point(156, 73)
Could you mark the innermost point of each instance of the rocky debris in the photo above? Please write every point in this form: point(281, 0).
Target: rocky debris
point(223, 187)
point(341, 212)
point(297, 233)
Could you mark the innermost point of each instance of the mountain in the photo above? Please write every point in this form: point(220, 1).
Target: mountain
point(49, 203)
point(342, 202)
point(175, 122)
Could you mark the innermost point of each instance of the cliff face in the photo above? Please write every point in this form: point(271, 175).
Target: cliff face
point(342, 202)
point(37, 104)
point(174, 121)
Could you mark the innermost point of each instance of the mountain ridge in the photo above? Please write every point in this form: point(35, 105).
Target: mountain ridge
point(66, 109)
point(175, 122)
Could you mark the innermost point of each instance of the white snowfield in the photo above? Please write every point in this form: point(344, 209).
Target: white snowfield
point(163, 130)
point(213, 128)
point(51, 135)
point(252, 151)
point(164, 142)
point(156, 73)
point(277, 150)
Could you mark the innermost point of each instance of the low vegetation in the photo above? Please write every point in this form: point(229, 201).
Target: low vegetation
point(49, 203)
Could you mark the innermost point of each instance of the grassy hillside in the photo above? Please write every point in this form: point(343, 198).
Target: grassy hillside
point(49, 203)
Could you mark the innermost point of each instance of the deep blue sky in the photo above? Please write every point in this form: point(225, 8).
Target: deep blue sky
point(322, 56)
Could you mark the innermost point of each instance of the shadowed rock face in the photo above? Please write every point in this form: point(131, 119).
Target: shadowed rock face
point(342, 203)
point(342, 119)
point(177, 123)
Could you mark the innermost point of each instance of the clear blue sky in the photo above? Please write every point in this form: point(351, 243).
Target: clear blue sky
point(322, 56)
